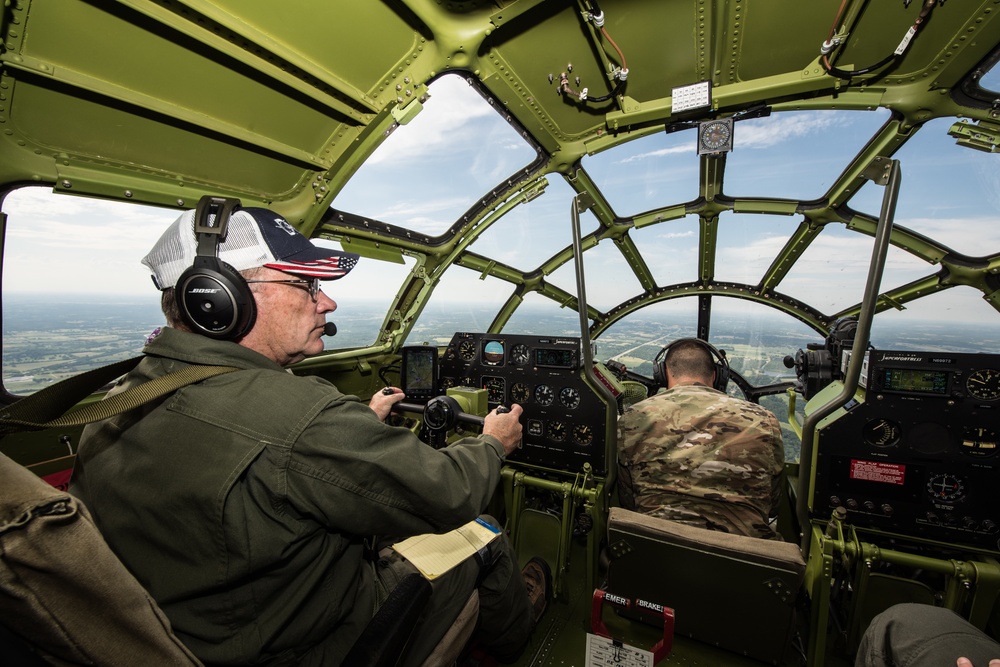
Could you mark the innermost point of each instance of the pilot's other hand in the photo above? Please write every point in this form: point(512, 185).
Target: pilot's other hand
point(382, 402)
point(965, 662)
point(505, 427)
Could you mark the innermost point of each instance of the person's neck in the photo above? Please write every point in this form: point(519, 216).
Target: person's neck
point(690, 382)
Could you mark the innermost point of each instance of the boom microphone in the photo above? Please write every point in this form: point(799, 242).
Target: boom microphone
point(330, 329)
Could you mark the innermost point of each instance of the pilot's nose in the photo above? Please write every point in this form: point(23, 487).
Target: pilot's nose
point(324, 303)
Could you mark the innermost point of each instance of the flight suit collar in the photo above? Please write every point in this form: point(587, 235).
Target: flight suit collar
point(196, 349)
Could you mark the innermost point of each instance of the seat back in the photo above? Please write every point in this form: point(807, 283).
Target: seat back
point(732, 591)
point(62, 589)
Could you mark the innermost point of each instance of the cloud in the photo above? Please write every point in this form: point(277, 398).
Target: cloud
point(975, 236)
point(451, 118)
point(686, 149)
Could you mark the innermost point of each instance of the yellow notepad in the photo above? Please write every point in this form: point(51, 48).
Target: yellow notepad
point(434, 555)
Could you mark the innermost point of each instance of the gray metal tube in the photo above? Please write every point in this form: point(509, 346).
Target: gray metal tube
point(588, 354)
point(882, 235)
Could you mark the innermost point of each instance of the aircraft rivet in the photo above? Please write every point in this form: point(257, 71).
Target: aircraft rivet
point(67, 184)
point(180, 202)
point(399, 86)
point(128, 193)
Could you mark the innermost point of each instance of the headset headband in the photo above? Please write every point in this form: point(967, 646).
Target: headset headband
point(719, 361)
point(214, 299)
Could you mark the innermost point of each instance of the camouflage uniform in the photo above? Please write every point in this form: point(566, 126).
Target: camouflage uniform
point(698, 456)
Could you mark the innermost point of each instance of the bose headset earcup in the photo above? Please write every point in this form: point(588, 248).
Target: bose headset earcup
point(214, 299)
point(718, 356)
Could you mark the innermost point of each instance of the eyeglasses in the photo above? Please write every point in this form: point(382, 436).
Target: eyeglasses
point(311, 285)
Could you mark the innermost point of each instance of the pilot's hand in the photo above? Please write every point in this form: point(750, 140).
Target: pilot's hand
point(382, 402)
point(965, 662)
point(505, 427)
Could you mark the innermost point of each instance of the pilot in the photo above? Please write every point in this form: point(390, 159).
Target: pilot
point(695, 455)
point(244, 503)
point(921, 635)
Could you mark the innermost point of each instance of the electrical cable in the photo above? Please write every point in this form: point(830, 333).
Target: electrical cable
point(597, 17)
point(829, 45)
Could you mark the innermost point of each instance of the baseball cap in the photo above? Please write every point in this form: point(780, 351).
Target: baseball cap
point(254, 237)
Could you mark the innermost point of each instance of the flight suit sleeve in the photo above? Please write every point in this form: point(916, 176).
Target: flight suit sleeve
point(359, 475)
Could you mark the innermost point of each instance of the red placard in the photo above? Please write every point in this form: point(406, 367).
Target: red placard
point(877, 471)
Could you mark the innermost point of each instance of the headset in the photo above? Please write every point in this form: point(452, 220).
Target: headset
point(719, 360)
point(214, 299)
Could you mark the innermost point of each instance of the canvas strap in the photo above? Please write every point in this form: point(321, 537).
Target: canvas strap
point(48, 408)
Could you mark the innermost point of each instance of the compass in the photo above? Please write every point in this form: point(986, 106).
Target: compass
point(715, 136)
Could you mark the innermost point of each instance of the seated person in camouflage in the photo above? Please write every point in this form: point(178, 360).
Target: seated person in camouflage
point(695, 455)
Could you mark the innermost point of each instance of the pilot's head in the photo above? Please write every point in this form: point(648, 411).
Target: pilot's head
point(263, 292)
point(688, 361)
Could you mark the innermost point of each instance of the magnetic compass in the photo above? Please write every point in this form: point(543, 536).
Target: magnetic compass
point(715, 136)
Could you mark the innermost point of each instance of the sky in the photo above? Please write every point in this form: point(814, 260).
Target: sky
point(458, 148)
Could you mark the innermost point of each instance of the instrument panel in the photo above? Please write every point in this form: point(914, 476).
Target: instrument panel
point(564, 418)
point(918, 453)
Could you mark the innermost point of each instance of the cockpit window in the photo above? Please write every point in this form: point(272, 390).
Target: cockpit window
point(955, 320)
point(947, 192)
point(796, 154)
point(433, 169)
point(648, 173)
point(670, 249)
point(461, 302)
point(991, 80)
point(75, 295)
point(532, 232)
point(747, 245)
point(362, 298)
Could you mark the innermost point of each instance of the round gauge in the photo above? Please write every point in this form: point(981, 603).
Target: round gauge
point(583, 435)
point(979, 441)
point(520, 392)
point(945, 487)
point(519, 354)
point(493, 353)
point(715, 135)
point(544, 394)
point(984, 384)
point(570, 397)
point(467, 350)
point(557, 431)
point(496, 389)
point(882, 433)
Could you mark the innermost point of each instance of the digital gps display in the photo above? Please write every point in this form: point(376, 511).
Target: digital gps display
point(915, 380)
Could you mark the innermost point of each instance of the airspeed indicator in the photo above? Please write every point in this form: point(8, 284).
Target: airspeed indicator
point(984, 384)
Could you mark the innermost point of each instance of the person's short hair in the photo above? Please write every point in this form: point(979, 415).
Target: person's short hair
point(689, 359)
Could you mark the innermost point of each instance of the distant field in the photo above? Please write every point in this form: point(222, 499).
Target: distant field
point(46, 339)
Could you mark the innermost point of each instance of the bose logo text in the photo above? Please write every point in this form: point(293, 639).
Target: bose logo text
point(204, 290)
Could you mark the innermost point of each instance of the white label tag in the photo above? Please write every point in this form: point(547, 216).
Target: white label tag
point(603, 652)
point(690, 97)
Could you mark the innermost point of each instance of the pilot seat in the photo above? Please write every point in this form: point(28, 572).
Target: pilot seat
point(731, 591)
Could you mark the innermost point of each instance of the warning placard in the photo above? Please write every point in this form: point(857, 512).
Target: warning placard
point(877, 471)
point(603, 652)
